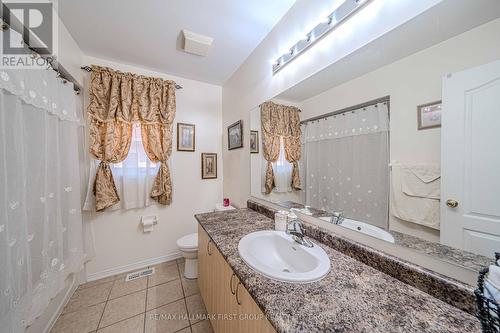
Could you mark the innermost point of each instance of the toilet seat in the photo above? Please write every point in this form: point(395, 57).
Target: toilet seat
point(188, 242)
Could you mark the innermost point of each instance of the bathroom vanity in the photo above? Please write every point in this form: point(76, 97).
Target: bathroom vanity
point(226, 299)
point(352, 297)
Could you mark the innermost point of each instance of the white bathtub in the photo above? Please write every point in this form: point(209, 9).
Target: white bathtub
point(364, 228)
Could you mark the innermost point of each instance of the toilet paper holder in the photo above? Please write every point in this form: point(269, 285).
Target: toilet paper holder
point(148, 221)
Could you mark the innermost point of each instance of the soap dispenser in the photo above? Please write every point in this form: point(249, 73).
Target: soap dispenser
point(280, 220)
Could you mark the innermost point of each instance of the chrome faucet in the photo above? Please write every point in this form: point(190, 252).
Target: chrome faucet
point(294, 228)
point(337, 217)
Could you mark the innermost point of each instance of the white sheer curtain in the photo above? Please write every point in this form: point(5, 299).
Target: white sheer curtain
point(346, 158)
point(282, 173)
point(133, 177)
point(40, 214)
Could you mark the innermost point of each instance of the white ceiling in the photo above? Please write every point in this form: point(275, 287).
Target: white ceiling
point(441, 22)
point(148, 33)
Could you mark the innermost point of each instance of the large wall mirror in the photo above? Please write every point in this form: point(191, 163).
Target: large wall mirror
point(400, 147)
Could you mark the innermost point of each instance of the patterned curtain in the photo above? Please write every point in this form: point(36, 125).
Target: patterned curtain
point(280, 121)
point(117, 101)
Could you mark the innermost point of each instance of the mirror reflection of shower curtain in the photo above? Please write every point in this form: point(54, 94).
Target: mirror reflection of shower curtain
point(346, 160)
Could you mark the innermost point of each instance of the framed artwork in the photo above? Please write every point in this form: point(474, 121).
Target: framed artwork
point(254, 142)
point(429, 115)
point(185, 137)
point(208, 165)
point(235, 135)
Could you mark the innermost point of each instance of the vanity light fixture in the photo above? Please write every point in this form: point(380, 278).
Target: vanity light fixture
point(329, 23)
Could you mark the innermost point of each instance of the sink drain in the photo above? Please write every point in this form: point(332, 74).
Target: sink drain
point(286, 270)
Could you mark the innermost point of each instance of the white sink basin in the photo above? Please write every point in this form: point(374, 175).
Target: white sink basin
point(277, 256)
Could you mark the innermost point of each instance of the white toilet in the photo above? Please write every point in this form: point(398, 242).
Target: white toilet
point(189, 248)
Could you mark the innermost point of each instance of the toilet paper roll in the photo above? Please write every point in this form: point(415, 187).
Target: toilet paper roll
point(147, 223)
point(147, 226)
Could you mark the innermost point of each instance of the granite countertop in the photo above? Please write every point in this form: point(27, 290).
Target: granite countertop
point(353, 297)
point(446, 253)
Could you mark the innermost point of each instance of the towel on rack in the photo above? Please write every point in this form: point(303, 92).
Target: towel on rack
point(414, 202)
point(422, 180)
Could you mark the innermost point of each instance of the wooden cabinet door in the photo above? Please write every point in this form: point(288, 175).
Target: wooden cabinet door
point(230, 306)
point(251, 318)
point(211, 279)
point(207, 274)
point(206, 270)
point(211, 276)
point(203, 277)
point(218, 288)
point(246, 315)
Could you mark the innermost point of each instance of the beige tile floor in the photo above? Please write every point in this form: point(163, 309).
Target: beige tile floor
point(161, 303)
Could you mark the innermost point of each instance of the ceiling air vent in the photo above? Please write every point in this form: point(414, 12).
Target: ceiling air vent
point(196, 44)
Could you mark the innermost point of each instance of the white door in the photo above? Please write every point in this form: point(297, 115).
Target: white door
point(470, 147)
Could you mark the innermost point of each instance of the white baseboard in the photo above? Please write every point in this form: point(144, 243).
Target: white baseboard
point(133, 266)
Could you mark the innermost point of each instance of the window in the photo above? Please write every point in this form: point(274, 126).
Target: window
point(136, 158)
point(282, 171)
point(133, 177)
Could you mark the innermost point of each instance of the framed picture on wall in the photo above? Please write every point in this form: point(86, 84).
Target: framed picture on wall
point(208, 165)
point(235, 135)
point(185, 137)
point(429, 115)
point(254, 142)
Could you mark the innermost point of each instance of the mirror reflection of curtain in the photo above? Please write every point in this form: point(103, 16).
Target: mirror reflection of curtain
point(346, 160)
point(280, 127)
point(282, 170)
point(40, 215)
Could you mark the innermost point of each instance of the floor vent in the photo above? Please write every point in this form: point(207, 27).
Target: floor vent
point(139, 274)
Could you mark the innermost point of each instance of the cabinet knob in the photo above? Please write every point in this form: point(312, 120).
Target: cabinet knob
point(237, 293)
point(208, 247)
point(452, 203)
point(231, 284)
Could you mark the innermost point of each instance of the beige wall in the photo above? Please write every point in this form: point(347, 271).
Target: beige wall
point(412, 81)
point(120, 243)
point(253, 82)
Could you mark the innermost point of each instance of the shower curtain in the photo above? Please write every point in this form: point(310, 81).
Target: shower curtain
point(346, 159)
point(40, 214)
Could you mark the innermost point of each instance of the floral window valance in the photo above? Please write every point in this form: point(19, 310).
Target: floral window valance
point(117, 101)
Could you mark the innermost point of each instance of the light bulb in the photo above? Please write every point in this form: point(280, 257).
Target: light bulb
point(327, 20)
